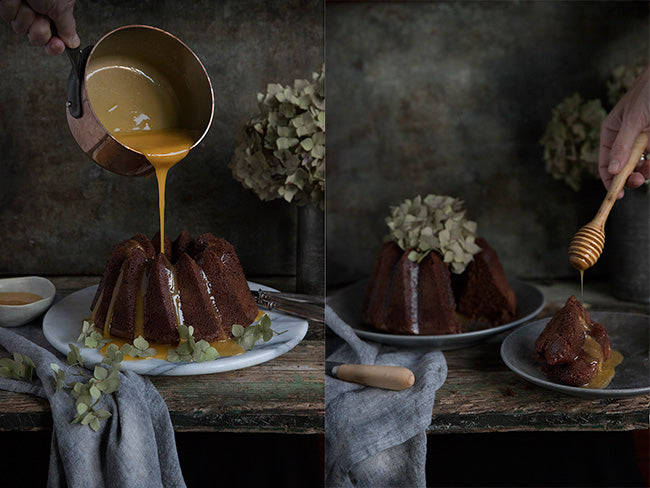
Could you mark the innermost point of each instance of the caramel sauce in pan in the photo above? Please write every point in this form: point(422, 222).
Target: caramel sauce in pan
point(138, 106)
point(18, 298)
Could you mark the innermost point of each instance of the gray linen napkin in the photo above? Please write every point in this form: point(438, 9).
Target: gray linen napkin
point(375, 437)
point(134, 448)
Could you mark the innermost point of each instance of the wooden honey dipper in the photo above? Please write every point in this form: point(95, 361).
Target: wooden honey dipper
point(588, 243)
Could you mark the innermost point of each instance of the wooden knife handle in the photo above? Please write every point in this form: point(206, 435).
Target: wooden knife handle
point(377, 375)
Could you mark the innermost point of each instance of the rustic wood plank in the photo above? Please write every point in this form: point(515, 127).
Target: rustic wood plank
point(283, 395)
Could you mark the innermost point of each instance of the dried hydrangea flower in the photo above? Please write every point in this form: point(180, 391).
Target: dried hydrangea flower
point(623, 77)
point(571, 140)
point(282, 149)
point(434, 223)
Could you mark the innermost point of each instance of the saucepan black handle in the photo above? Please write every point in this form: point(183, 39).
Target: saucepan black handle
point(78, 58)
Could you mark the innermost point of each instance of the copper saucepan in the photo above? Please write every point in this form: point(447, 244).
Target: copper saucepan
point(149, 46)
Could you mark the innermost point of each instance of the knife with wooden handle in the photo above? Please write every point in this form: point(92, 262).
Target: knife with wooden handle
point(376, 375)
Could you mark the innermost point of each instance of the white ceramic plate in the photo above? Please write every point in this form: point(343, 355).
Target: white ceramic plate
point(347, 305)
point(62, 324)
point(628, 334)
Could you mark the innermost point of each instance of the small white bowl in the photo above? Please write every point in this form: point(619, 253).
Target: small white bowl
point(15, 315)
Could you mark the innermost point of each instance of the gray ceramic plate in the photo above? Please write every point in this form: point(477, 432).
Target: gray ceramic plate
point(628, 334)
point(347, 305)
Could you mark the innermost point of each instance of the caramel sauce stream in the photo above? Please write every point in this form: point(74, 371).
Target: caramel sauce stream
point(163, 149)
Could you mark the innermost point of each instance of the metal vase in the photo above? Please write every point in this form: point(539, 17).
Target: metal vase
point(310, 253)
point(628, 243)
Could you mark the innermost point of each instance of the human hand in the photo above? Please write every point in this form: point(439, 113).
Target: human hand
point(628, 118)
point(33, 18)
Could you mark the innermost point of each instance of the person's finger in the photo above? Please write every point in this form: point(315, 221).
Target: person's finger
point(608, 132)
point(61, 14)
point(9, 9)
point(24, 19)
point(39, 33)
point(644, 169)
point(632, 125)
point(635, 180)
point(54, 46)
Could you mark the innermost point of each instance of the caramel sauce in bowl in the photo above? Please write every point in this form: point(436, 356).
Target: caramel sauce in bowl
point(25, 299)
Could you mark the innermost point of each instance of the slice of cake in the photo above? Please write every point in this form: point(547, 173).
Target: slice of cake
point(572, 346)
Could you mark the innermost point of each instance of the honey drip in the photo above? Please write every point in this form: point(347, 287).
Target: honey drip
point(582, 277)
point(18, 298)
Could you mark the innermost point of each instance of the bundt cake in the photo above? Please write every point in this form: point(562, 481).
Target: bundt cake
point(404, 297)
point(195, 282)
point(433, 276)
point(572, 346)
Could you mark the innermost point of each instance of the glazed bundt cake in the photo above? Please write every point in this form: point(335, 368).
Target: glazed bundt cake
point(195, 282)
point(432, 271)
point(572, 346)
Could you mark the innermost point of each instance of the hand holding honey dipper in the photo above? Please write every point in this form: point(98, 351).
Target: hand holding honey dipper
point(33, 18)
point(588, 243)
point(628, 118)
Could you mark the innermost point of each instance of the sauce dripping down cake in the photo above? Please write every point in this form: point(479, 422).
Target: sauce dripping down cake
point(144, 292)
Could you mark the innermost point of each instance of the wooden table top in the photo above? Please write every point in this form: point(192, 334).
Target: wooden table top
point(284, 395)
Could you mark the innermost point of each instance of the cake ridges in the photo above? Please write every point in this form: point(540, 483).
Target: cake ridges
point(172, 289)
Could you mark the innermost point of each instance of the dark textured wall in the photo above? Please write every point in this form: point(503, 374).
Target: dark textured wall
point(60, 213)
point(452, 98)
